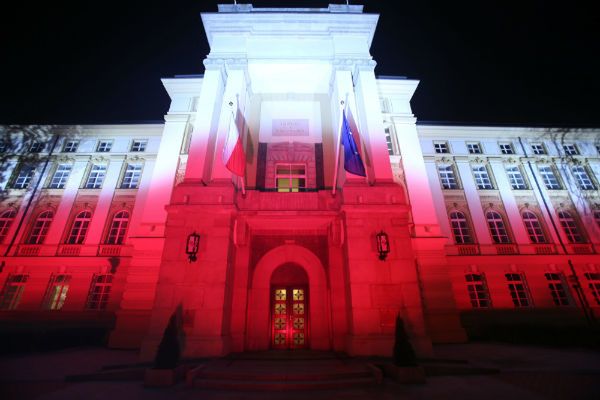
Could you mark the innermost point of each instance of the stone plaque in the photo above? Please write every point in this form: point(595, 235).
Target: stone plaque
point(290, 127)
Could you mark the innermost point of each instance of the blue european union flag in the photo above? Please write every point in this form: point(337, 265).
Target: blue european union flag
point(352, 161)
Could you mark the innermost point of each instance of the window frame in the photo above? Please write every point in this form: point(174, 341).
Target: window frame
point(507, 149)
point(571, 227)
point(61, 181)
point(56, 292)
point(128, 181)
point(441, 146)
point(104, 146)
point(570, 149)
point(478, 290)
point(538, 149)
point(547, 171)
point(79, 227)
point(141, 148)
point(70, 149)
point(7, 218)
point(39, 228)
point(98, 299)
point(291, 177)
point(119, 225)
point(497, 228)
point(12, 291)
point(534, 227)
point(513, 179)
point(20, 181)
point(460, 227)
point(582, 177)
point(558, 287)
point(519, 290)
point(92, 180)
point(593, 279)
point(447, 176)
point(481, 176)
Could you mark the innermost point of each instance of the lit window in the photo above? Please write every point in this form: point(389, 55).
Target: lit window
point(96, 177)
point(12, 291)
point(24, 177)
point(570, 227)
point(6, 219)
point(558, 288)
point(79, 228)
point(99, 292)
point(56, 294)
point(290, 177)
point(460, 228)
point(534, 228)
point(583, 179)
point(441, 147)
point(594, 284)
point(447, 177)
point(131, 178)
point(549, 177)
point(70, 146)
point(482, 177)
point(474, 148)
point(478, 291)
point(60, 177)
point(104, 146)
point(497, 227)
point(139, 145)
point(388, 140)
point(538, 149)
point(518, 290)
point(40, 228)
point(570, 149)
point(506, 148)
point(37, 147)
point(515, 177)
point(118, 228)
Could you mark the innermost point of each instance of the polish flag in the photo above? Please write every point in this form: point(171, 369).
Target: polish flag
point(233, 150)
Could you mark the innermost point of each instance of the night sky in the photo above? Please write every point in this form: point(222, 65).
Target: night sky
point(526, 62)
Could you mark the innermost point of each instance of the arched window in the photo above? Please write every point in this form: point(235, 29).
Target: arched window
point(460, 228)
point(40, 228)
point(570, 227)
point(597, 217)
point(497, 227)
point(79, 228)
point(534, 228)
point(6, 219)
point(118, 228)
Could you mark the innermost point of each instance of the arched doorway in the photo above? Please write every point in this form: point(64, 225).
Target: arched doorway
point(289, 308)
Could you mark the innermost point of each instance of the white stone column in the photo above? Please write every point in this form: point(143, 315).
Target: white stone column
point(439, 201)
point(473, 201)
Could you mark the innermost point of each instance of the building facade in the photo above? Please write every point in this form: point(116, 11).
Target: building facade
point(486, 225)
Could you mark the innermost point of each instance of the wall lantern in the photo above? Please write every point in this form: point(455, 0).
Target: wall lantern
point(383, 245)
point(191, 248)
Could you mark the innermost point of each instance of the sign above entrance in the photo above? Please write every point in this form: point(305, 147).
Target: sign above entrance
point(290, 127)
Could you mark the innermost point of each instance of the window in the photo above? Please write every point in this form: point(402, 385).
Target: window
point(597, 217)
point(447, 177)
point(497, 227)
point(104, 146)
point(79, 228)
point(441, 147)
point(570, 227)
point(3, 147)
point(131, 179)
point(40, 228)
point(478, 291)
point(583, 179)
point(594, 284)
point(518, 290)
point(549, 177)
point(558, 289)
point(597, 148)
point(99, 292)
point(482, 177)
point(6, 219)
point(118, 228)
point(460, 228)
point(290, 178)
point(474, 148)
point(12, 291)
point(70, 146)
point(56, 294)
point(388, 140)
point(96, 177)
point(506, 148)
point(515, 177)
point(37, 147)
point(570, 149)
point(140, 145)
point(24, 177)
point(538, 149)
point(60, 177)
point(534, 228)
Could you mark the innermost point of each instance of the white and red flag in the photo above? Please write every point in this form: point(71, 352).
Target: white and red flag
point(233, 150)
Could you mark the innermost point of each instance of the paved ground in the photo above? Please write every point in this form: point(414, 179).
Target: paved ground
point(526, 373)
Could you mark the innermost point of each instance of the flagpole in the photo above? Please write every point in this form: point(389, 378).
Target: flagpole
point(363, 148)
point(337, 147)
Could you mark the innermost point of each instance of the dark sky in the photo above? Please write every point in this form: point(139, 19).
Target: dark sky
point(499, 62)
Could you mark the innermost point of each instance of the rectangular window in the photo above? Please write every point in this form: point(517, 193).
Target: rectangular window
point(518, 290)
point(482, 177)
point(594, 284)
point(538, 149)
point(549, 177)
point(56, 294)
point(24, 177)
point(474, 148)
point(447, 177)
point(104, 146)
point(12, 291)
point(99, 292)
point(139, 145)
point(516, 179)
point(506, 148)
point(131, 179)
point(478, 291)
point(60, 177)
point(558, 288)
point(70, 146)
point(441, 147)
point(388, 140)
point(37, 147)
point(96, 177)
point(583, 179)
point(570, 149)
point(290, 178)
point(597, 148)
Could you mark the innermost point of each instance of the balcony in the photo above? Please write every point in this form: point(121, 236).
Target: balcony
point(506, 249)
point(580, 248)
point(29, 250)
point(298, 201)
point(69, 250)
point(463, 250)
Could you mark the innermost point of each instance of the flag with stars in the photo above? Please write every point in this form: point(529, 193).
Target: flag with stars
point(352, 161)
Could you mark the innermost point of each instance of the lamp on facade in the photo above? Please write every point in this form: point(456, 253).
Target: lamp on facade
point(383, 245)
point(191, 248)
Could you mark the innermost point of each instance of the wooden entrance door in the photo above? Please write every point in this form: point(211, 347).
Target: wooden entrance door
point(289, 317)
